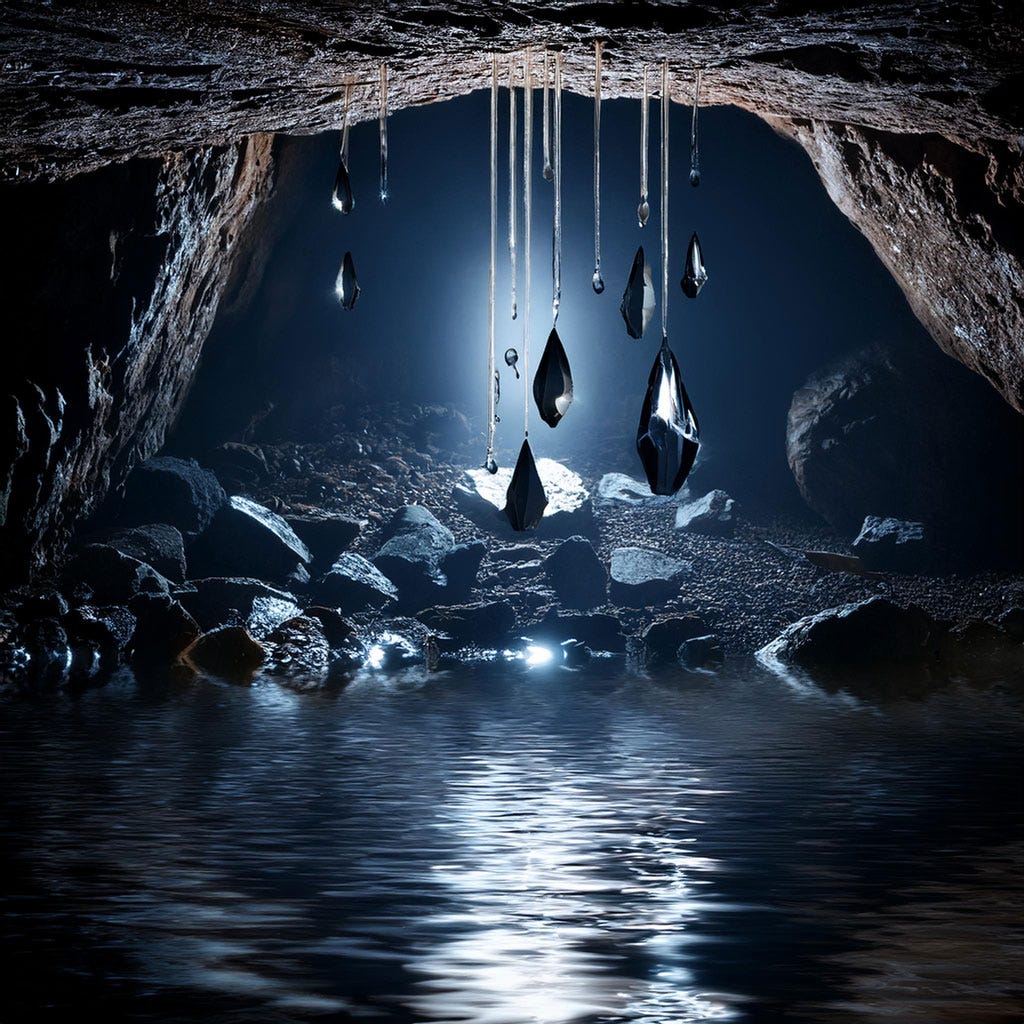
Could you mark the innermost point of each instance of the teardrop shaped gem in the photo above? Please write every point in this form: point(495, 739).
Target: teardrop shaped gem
point(342, 198)
point(695, 274)
point(525, 499)
point(643, 211)
point(552, 386)
point(598, 282)
point(637, 306)
point(346, 287)
point(668, 437)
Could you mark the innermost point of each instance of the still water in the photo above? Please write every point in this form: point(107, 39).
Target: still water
point(494, 846)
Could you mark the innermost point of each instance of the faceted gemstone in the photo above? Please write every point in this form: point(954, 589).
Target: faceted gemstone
point(598, 282)
point(638, 299)
point(341, 198)
point(695, 273)
point(643, 211)
point(525, 499)
point(511, 358)
point(695, 177)
point(552, 386)
point(490, 465)
point(668, 437)
point(346, 287)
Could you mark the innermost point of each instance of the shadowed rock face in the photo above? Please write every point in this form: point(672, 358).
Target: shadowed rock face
point(911, 113)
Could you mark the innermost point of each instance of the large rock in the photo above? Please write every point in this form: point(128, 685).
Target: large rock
point(326, 534)
point(109, 629)
point(218, 601)
point(617, 489)
point(893, 545)
point(415, 546)
point(113, 577)
point(246, 539)
point(354, 584)
point(662, 639)
point(163, 629)
point(714, 514)
point(37, 654)
point(298, 654)
point(228, 653)
point(486, 623)
point(481, 497)
point(641, 578)
point(910, 434)
point(157, 544)
point(175, 491)
point(576, 574)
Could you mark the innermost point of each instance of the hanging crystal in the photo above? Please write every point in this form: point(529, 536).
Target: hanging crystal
point(638, 302)
point(383, 127)
point(525, 499)
point(546, 121)
point(492, 399)
point(695, 273)
point(341, 198)
point(694, 154)
point(556, 233)
point(668, 437)
point(597, 281)
point(346, 287)
point(643, 211)
point(552, 387)
point(512, 195)
point(511, 358)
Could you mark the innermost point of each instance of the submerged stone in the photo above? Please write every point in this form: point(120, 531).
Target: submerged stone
point(228, 653)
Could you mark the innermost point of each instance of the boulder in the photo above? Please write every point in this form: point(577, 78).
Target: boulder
point(714, 514)
point(354, 584)
point(598, 630)
point(37, 654)
point(576, 574)
point(298, 653)
point(854, 638)
point(617, 489)
point(246, 539)
point(415, 546)
point(485, 623)
point(337, 629)
point(163, 629)
point(701, 654)
point(893, 545)
point(157, 544)
point(228, 652)
point(326, 534)
point(641, 578)
point(481, 497)
point(175, 491)
point(30, 603)
point(109, 629)
point(218, 601)
point(113, 577)
point(661, 640)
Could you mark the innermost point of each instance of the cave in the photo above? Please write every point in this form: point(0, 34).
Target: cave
point(353, 633)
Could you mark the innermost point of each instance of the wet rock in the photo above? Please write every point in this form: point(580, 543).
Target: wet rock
point(113, 577)
point(461, 566)
point(576, 574)
point(481, 497)
point(247, 539)
point(415, 546)
point(714, 514)
point(337, 629)
point(575, 653)
point(175, 491)
point(36, 655)
point(217, 601)
point(157, 544)
point(163, 629)
point(237, 466)
point(326, 534)
point(856, 637)
point(298, 654)
point(598, 630)
point(228, 652)
point(662, 639)
point(110, 629)
point(31, 603)
point(484, 623)
point(298, 581)
point(641, 578)
point(390, 651)
point(701, 653)
point(354, 584)
point(893, 545)
point(620, 489)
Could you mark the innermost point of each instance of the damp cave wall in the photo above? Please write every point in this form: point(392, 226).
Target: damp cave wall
point(911, 114)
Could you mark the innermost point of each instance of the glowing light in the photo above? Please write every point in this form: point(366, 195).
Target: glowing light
point(375, 657)
point(536, 655)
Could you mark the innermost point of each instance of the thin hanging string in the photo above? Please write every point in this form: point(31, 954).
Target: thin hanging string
point(383, 132)
point(643, 210)
point(664, 199)
point(491, 397)
point(556, 233)
point(694, 154)
point(527, 215)
point(598, 283)
point(344, 124)
point(546, 122)
point(512, 193)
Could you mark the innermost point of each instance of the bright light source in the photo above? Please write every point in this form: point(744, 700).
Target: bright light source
point(375, 656)
point(537, 655)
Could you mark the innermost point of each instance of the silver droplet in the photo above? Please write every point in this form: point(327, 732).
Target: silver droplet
point(694, 178)
point(643, 211)
point(491, 466)
point(598, 282)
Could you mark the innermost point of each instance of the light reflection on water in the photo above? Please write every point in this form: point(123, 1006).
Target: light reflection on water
point(495, 846)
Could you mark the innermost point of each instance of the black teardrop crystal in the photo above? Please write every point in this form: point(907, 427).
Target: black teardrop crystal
point(552, 386)
point(525, 499)
point(695, 273)
point(341, 197)
point(347, 287)
point(668, 437)
point(637, 306)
